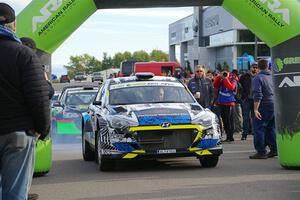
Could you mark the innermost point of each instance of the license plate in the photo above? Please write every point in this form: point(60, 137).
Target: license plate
point(162, 151)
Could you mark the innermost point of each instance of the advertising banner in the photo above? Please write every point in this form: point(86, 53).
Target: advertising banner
point(50, 22)
point(273, 21)
point(286, 69)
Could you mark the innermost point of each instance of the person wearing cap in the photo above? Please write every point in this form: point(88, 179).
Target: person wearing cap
point(247, 99)
point(24, 105)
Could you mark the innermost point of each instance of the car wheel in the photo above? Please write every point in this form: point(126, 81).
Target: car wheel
point(87, 153)
point(103, 164)
point(209, 161)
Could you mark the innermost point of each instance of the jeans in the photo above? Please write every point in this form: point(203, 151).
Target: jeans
point(248, 114)
point(238, 118)
point(264, 131)
point(16, 165)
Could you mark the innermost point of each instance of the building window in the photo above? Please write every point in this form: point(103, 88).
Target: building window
point(224, 38)
point(173, 35)
point(245, 36)
point(186, 29)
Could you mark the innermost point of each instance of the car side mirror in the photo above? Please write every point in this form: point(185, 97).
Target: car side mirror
point(97, 103)
point(57, 104)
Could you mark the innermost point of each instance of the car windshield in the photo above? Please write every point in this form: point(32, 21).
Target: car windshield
point(149, 94)
point(80, 73)
point(80, 98)
point(97, 74)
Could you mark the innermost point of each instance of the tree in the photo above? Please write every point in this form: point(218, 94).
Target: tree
point(83, 63)
point(141, 56)
point(127, 55)
point(107, 61)
point(118, 58)
point(158, 55)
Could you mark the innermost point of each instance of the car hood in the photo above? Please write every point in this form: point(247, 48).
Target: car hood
point(156, 114)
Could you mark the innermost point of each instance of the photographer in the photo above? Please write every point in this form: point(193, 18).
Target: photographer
point(225, 83)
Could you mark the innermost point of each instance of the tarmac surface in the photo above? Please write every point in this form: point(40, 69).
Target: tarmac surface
point(235, 177)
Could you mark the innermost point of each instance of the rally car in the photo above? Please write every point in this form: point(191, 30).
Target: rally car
point(146, 116)
point(66, 112)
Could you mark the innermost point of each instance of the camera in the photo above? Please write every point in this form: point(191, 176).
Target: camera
point(225, 74)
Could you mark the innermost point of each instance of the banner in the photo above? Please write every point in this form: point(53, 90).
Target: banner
point(273, 21)
point(50, 22)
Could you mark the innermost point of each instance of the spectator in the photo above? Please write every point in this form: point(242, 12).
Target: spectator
point(264, 120)
point(225, 85)
point(31, 44)
point(202, 88)
point(209, 74)
point(24, 105)
point(237, 111)
point(247, 99)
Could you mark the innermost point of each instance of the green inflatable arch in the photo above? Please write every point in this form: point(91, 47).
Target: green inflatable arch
point(276, 22)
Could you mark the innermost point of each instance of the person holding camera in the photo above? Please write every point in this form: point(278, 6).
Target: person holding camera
point(225, 84)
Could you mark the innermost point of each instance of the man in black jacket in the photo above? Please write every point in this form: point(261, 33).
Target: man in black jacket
point(24, 105)
point(247, 99)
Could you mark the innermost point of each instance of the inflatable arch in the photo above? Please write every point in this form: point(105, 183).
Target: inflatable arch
point(276, 22)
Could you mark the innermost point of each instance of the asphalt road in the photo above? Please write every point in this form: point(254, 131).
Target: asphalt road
point(235, 177)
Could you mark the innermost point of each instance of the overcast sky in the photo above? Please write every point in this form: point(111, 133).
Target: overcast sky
point(115, 31)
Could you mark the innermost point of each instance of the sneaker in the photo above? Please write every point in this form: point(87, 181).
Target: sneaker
point(258, 156)
point(271, 154)
point(33, 196)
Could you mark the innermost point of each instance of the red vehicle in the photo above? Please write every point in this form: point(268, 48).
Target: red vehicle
point(159, 68)
point(64, 79)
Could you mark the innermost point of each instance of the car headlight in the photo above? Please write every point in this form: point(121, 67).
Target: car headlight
point(205, 121)
point(121, 122)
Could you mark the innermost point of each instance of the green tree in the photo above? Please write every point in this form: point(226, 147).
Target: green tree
point(141, 56)
point(118, 58)
point(159, 55)
point(84, 63)
point(107, 61)
point(127, 55)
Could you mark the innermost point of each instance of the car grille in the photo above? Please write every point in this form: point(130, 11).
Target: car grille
point(166, 139)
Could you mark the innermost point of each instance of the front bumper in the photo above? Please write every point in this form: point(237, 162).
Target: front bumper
point(179, 153)
point(149, 142)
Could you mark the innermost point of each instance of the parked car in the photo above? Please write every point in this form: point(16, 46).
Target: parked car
point(96, 76)
point(146, 116)
point(80, 76)
point(66, 111)
point(64, 79)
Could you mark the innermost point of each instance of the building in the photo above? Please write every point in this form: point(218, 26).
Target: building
point(213, 37)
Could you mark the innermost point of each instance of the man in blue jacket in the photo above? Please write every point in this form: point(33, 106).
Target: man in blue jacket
point(264, 121)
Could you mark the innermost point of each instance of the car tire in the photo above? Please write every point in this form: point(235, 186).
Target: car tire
point(209, 161)
point(87, 153)
point(103, 164)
